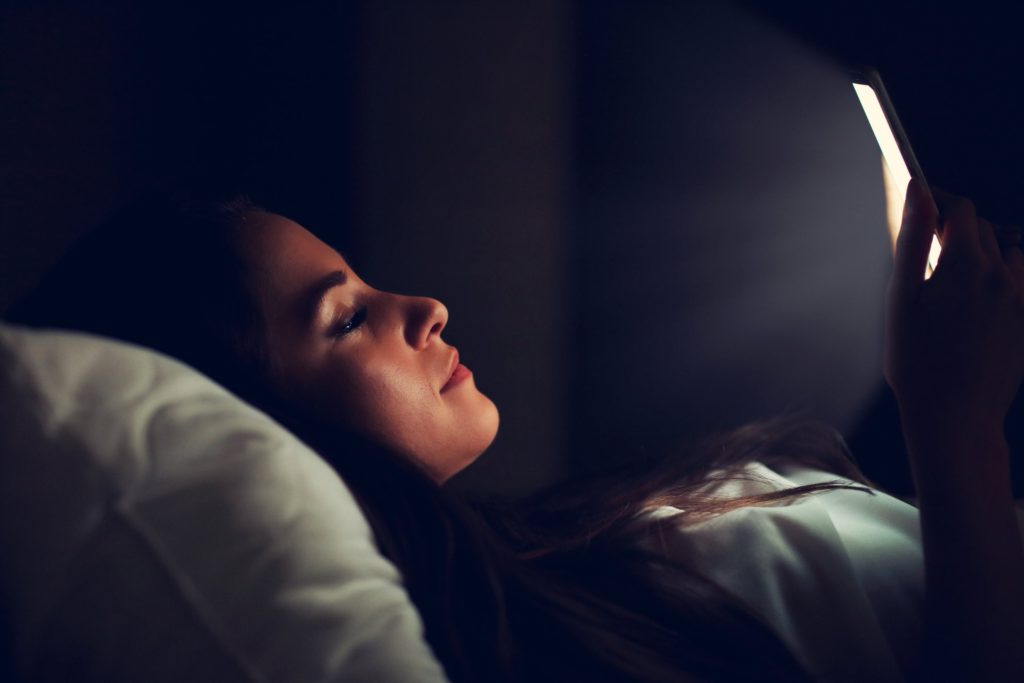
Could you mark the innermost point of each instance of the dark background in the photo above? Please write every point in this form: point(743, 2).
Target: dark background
point(647, 219)
point(954, 73)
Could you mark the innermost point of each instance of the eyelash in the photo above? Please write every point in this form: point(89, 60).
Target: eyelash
point(344, 327)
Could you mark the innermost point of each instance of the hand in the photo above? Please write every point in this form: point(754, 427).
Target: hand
point(954, 344)
point(954, 355)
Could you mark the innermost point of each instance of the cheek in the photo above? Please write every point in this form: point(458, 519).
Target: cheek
point(400, 402)
point(395, 406)
point(390, 399)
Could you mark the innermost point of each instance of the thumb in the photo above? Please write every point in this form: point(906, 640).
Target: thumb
point(920, 219)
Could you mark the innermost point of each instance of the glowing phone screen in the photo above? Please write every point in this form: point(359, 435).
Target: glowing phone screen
point(897, 175)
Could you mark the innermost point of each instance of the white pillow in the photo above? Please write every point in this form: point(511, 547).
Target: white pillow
point(153, 527)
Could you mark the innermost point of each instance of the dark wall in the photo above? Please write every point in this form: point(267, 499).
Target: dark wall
point(730, 244)
point(953, 71)
point(273, 89)
point(103, 101)
point(463, 152)
point(93, 109)
point(447, 175)
point(648, 219)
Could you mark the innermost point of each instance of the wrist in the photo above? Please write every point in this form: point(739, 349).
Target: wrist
point(949, 422)
point(958, 458)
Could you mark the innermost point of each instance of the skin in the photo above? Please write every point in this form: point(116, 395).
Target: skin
point(953, 358)
point(370, 360)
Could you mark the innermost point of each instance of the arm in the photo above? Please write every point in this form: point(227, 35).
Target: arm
point(974, 563)
point(955, 357)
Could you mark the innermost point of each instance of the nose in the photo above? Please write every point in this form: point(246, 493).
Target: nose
point(425, 319)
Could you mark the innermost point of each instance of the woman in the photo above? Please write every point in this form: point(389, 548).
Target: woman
point(599, 580)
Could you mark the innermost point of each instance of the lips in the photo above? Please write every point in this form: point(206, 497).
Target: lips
point(456, 372)
point(452, 366)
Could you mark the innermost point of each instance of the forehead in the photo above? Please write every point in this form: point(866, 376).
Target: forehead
point(279, 245)
point(277, 239)
point(285, 257)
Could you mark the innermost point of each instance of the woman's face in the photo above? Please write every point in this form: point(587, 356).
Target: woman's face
point(363, 358)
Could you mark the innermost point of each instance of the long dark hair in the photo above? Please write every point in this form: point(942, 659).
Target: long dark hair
point(553, 587)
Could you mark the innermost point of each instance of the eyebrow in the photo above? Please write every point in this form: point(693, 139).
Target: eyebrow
point(318, 292)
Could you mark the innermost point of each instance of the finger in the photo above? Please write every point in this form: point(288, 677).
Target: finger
point(959, 223)
point(914, 241)
point(938, 192)
point(987, 238)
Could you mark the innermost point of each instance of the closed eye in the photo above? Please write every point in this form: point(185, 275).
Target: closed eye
point(347, 325)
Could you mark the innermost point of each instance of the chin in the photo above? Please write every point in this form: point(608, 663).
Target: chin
point(492, 420)
point(485, 429)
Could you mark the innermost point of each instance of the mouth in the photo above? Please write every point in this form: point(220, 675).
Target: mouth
point(457, 372)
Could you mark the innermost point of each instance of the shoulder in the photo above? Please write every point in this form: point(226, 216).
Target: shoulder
point(837, 574)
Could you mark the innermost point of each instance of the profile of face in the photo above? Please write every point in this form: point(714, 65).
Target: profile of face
point(369, 360)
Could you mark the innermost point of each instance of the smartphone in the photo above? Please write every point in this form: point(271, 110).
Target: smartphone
point(899, 164)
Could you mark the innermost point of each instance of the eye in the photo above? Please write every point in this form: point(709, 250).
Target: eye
point(347, 325)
